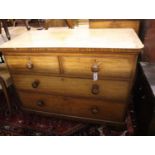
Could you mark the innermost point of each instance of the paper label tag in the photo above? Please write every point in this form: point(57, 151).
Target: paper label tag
point(95, 76)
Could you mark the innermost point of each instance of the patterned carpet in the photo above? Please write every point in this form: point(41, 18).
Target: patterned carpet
point(34, 125)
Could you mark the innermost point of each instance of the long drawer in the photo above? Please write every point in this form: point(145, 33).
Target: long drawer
point(33, 64)
point(77, 107)
point(105, 89)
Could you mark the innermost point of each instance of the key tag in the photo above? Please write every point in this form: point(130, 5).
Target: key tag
point(95, 76)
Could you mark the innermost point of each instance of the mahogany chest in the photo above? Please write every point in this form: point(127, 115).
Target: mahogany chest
point(75, 73)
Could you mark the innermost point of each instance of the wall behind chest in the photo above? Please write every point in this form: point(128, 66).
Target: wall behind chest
point(147, 35)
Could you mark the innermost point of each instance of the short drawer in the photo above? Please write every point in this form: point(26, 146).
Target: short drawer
point(107, 66)
point(36, 63)
point(77, 107)
point(105, 89)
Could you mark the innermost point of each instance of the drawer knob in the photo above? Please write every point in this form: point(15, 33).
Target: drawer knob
point(35, 83)
point(95, 68)
point(94, 110)
point(95, 89)
point(40, 103)
point(29, 65)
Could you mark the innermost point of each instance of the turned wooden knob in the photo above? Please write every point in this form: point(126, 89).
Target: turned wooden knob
point(94, 110)
point(95, 89)
point(95, 68)
point(29, 65)
point(35, 83)
point(40, 103)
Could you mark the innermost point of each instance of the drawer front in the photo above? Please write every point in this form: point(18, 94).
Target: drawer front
point(108, 66)
point(87, 108)
point(106, 89)
point(40, 64)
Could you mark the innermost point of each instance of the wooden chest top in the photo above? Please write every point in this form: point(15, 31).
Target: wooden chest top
point(77, 38)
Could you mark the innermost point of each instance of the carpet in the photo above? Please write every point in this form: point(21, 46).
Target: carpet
point(23, 124)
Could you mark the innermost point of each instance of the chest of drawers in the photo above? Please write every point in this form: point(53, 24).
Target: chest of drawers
point(81, 74)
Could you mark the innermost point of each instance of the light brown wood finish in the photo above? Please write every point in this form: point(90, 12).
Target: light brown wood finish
point(59, 23)
point(78, 107)
point(108, 89)
point(54, 23)
point(115, 23)
point(40, 64)
point(78, 66)
point(109, 66)
point(62, 71)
